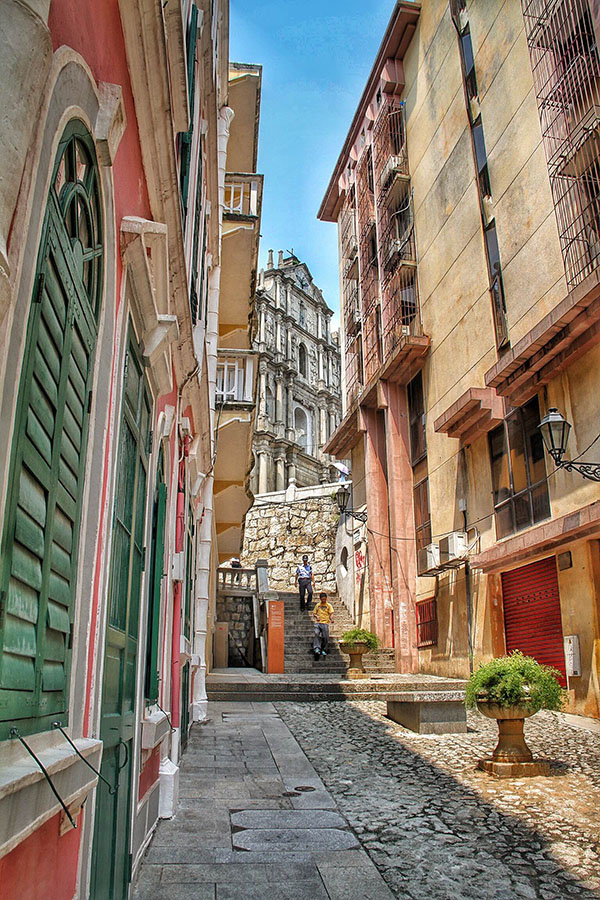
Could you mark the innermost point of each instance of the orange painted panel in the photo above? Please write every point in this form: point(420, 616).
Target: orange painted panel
point(44, 865)
point(276, 641)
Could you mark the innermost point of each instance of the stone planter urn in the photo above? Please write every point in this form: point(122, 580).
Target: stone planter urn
point(512, 756)
point(355, 652)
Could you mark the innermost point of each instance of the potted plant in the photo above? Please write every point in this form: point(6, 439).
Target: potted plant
point(355, 643)
point(510, 689)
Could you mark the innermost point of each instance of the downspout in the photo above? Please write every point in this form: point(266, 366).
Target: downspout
point(205, 547)
point(177, 594)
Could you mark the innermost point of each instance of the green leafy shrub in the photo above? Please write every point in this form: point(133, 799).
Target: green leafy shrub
point(360, 636)
point(511, 680)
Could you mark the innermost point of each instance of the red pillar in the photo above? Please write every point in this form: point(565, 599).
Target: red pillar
point(402, 526)
point(177, 593)
point(380, 586)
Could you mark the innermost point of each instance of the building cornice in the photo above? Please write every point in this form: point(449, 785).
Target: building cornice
point(395, 42)
point(145, 43)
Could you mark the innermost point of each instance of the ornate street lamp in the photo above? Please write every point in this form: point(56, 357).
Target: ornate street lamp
point(342, 496)
point(555, 434)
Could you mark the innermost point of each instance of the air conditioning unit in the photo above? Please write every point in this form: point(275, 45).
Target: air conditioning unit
point(394, 164)
point(453, 548)
point(428, 560)
point(488, 209)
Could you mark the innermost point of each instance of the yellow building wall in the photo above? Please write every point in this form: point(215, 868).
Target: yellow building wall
point(457, 309)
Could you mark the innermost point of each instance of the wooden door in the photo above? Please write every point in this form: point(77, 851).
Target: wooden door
point(110, 859)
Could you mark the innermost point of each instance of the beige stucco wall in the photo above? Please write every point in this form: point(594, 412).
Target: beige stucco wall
point(457, 311)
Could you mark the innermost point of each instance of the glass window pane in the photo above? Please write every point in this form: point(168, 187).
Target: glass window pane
point(540, 502)
point(523, 516)
point(517, 453)
point(504, 520)
point(480, 151)
point(533, 441)
point(500, 471)
point(493, 251)
point(467, 52)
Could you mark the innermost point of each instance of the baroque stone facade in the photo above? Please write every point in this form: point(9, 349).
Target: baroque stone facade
point(299, 371)
point(282, 531)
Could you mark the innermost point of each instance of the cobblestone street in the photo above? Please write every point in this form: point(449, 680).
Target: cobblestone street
point(276, 800)
point(438, 828)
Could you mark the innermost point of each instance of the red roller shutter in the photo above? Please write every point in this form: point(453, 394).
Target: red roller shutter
point(532, 621)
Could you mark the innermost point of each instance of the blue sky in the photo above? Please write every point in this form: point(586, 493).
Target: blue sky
point(316, 57)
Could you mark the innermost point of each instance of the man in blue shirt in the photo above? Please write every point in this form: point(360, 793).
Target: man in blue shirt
point(305, 580)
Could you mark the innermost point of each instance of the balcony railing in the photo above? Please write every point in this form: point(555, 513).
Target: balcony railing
point(235, 377)
point(372, 338)
point(242, 195)
point(399, 247)
point(351, 307)
point(348, 233)
point(236, 581)
point(566, 72)
point(389, 145)
point(401, 313)
point(365, 199)
point(353, 362)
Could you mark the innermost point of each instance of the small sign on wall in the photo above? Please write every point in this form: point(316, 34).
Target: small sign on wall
point(572, 655)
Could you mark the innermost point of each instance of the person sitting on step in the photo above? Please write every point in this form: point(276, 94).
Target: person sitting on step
point(323, 618)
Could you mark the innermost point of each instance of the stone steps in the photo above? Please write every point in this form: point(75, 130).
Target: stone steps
point(299, 633)
point(307, 690)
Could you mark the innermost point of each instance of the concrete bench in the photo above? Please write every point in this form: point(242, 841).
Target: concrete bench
point(429, 712)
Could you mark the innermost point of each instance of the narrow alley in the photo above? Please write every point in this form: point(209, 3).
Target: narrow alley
point(332, 800)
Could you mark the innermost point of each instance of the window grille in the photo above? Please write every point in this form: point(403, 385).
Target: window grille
point(566, 73)
point(427, 623)
point(390, 159)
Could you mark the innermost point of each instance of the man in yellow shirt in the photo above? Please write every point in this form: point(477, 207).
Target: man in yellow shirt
point(323, 618)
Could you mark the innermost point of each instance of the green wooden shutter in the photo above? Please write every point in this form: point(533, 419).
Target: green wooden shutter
point(186, 137)
point(158, 553)
point(41, 523)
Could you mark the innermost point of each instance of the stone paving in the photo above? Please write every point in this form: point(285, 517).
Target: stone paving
point(438, 828)
point(254, 821)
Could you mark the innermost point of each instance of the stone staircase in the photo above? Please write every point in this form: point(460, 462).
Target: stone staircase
point(299, 640)
point(236, 686)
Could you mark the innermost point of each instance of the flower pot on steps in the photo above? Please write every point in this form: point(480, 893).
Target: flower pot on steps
point(355, 652)
point(512, 756)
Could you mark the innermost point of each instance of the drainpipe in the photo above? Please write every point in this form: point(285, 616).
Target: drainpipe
point(205, 543)
point(469, 600)
point(177, 595)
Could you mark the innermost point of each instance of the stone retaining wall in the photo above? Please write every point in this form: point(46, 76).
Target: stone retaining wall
point(238, 612)
point(282, 532)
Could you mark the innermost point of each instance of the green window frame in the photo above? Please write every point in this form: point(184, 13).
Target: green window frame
point(185, 145)
point(42, 516)
point(189, 573)
point(156, 576)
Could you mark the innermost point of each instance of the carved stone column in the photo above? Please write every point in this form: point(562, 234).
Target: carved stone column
point(280, 484)
point(322, 428)
point(289, 419)
point(263, 471)
point(262, 396)
point(332, 425)
point(279, 422)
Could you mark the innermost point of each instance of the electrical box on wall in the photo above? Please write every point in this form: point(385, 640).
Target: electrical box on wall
point(572, 655)
point(178, 566)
